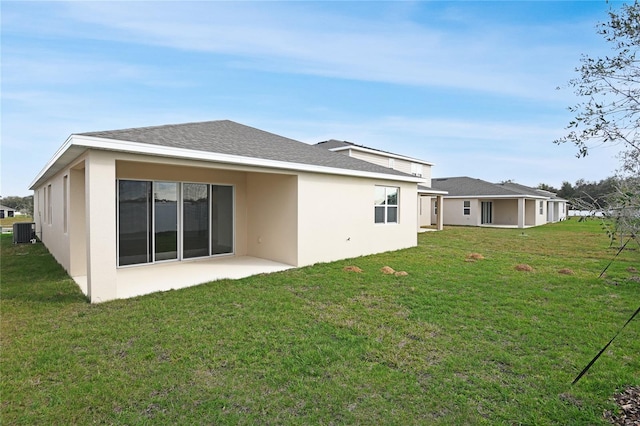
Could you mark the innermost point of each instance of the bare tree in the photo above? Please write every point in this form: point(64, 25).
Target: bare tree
point(609, 112)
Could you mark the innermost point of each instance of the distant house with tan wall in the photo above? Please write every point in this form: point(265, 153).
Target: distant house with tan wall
point(133, 211)
point(475, 202)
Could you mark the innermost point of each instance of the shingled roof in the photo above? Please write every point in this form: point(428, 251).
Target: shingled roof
point(337, 145)
point(231, 138)
point(470, 187)
point(221, 141)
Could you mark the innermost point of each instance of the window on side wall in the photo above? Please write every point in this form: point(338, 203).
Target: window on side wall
point(386, 204)
point(541, 207)
point(416, 169)
point(466, 208)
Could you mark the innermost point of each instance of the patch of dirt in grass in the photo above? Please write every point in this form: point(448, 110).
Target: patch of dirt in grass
point(629, 403)
point(570, 399)
point(635, 278)
point(565, 271)
point(523, 267)
point(387, 270)
point(401, 274)
point(472, 257)
point(632, 269)
point(352, 268)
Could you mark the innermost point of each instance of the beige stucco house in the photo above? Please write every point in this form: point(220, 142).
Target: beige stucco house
point(416, 167)
point(133, 211)
point(475, 202)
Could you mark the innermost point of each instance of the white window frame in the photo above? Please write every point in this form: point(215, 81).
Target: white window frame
point(466, 207)
point(416, 169)
point(180, 257)
point(385, 206)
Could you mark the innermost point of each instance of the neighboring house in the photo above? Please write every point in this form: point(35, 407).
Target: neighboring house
point(413, 166)
point(134, 211)
point(7, 212)
point(475, 202)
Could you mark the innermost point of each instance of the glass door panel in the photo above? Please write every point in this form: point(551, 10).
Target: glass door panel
point(487, 212)
point(134, 222)
point(195, 220)
point(165, 201)
point(221, 219)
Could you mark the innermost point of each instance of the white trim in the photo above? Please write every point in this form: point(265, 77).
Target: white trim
point(381, 153)
point(165, 151)
point(515, 196)
point(431, 191)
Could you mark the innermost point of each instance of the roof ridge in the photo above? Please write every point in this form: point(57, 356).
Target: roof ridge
point(158, 126)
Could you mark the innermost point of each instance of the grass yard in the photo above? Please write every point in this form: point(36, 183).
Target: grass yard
point(8, 222)
point(453, 342)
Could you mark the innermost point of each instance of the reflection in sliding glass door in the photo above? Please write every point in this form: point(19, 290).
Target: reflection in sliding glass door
point(195, 220)
point(165, 196)
point(221, 219)
point(134, 222)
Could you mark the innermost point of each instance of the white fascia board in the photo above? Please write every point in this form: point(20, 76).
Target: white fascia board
point(64, 148)
point(432, 191)
point(92, 142)
point(497, 196)
point(381, 153)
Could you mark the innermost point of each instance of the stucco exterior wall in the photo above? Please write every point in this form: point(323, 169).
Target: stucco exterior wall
point(336, 218)
point(49, 220)
point(272, 224)
point(77, 221)
point(454, 212)
point(426, 215)
point(505, 212)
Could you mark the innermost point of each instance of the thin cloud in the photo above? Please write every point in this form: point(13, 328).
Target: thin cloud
point(307, 39)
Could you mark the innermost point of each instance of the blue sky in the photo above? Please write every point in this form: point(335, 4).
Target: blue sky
point(469, 86)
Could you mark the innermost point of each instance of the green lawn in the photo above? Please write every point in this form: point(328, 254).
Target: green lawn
point(453, 342)
point(8, 222)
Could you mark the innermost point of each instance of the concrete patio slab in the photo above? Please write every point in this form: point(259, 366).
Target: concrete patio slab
point(145, 279)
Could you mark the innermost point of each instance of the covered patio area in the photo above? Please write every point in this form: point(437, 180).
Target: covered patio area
point(145, 279)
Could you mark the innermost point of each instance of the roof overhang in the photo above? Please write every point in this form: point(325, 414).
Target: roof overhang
point(382, 153)
point(77, 144)
point(430, 191)
point(514, 196)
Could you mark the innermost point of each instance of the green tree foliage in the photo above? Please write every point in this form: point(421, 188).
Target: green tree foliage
point(22, 204)
point(546, 187)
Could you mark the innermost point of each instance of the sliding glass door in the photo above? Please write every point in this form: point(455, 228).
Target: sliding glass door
point(221, 219)
point(195, 220)
point(134, 222)
point(163, 221)
point(165, 204)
